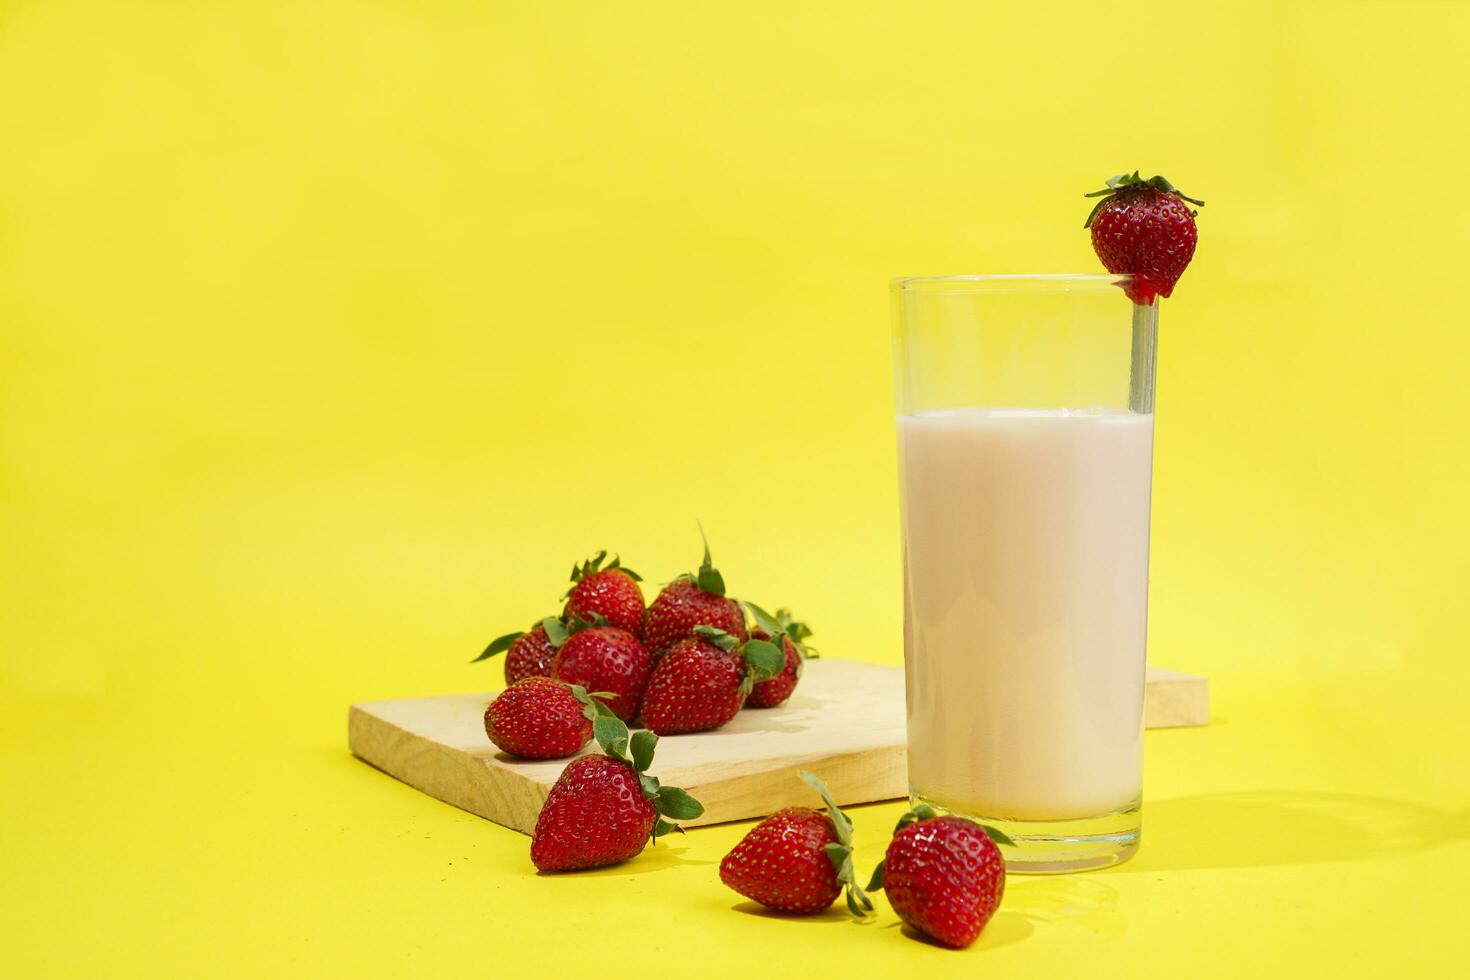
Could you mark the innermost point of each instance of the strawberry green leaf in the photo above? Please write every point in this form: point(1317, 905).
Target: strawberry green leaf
point(594, 705)
point(793, 628)
point(642, 746)
point(840, 822)
point(705, 538)
point(710, 580)
point(858, 903)
point(875, 883)
point(921, 812)
point(649, 785)
point(498, 645)
point(763, 660)
point(676, 804)
point(1123, 182)
point(617, 563)
point(578, 624)
point(764, 620)
point(999, 836)
point(718, 637)
point(612, 735)
point(838, 854)
point(556, 631)
point(589, 567)
point(663, 827)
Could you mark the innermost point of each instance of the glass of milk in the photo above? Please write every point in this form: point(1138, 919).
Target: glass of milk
point(1025, 435)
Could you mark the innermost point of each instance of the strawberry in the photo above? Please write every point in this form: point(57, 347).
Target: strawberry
point(944, 875)
point(1144, 228)
point(604, 808)
point(610, 592)
point(702, 682)
point(797, 860)
point(541, 718)
point(769, 693)
point(528, 654)
point(688, 601)
point(605, 658)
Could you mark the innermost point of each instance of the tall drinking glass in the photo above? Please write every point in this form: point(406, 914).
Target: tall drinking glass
point(1025, 431)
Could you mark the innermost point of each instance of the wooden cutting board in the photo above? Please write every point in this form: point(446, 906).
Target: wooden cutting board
point(845, 723)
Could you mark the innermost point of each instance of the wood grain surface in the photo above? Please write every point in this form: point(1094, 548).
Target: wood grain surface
point(845, 723)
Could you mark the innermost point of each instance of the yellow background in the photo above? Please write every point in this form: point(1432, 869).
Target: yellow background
point(334, 332)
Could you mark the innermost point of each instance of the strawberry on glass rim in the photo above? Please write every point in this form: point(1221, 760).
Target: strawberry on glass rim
point(1144, 228)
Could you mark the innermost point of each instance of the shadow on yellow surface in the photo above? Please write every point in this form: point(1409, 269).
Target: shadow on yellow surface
point(655, 857)
point(837, 912)
point(1252, 829)
point(1007, 927)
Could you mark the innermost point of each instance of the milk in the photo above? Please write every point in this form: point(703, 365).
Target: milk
point(1026, 579)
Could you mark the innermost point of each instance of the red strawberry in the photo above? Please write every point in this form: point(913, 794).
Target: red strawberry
point(797, 860)
point(774, 691)
point(605, 658)
point(944, 875)
point(610, 592)
point(689, 601)
point(701, 683)
point(1146, 229)
point(541, 718)
point(603, 809)
point(530, 653)
point(769, 693)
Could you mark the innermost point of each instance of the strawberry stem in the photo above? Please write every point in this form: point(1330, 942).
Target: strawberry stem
point(593, 565)
point(498, 645)
point(840, 853)
point(1120, 183)
point(708, 578)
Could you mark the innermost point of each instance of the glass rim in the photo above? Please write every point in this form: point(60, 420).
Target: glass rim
point(981, 281)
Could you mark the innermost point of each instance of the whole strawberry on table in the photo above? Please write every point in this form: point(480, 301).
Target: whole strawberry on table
point(943, 875)
point(543, 718)
point(612, 593)
point(798, 860)
point(606, 641)
point(791, 635)
point(605, 658)
point(702, 682)
point(691, 600)
point(604, 809)
point(528, 653)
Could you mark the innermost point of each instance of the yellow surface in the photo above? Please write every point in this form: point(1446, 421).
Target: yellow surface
point(333, 332)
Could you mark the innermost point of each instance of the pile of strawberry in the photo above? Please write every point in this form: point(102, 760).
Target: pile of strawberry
point(687, 663)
